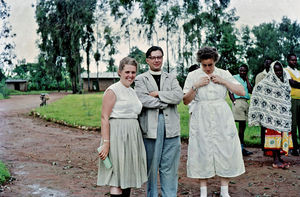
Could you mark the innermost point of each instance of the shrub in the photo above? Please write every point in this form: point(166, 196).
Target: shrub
point(4, 173)
point(4, 91)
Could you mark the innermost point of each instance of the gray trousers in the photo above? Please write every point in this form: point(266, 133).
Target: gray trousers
point(163, 155)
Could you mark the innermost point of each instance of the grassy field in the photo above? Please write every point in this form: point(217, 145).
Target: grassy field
point(4, 173)
point(85, 110)
point(79, 109)
point(33, 92)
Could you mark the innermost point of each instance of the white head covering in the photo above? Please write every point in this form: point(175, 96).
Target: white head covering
point(270, 104)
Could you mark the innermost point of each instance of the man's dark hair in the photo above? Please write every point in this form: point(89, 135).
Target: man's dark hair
point(193, 67)
point(290, 55)
point(268, 58)
point(245, 66)
point(153, 48)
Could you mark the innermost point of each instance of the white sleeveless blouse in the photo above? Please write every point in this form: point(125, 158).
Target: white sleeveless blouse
point(127, 103)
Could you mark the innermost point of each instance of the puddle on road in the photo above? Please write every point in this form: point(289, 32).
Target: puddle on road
point(45, 192)
point(21, 173)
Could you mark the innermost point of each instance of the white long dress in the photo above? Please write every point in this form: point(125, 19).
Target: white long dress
point(214, 147)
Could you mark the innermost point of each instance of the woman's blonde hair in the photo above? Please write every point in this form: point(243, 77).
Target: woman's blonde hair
point(127, 60)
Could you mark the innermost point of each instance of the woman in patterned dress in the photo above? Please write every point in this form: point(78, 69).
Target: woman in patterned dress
point(121, 138)
point(270, 107)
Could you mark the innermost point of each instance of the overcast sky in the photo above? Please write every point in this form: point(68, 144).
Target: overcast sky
point(251, 12)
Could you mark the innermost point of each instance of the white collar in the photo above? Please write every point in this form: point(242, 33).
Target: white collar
point(155, 72)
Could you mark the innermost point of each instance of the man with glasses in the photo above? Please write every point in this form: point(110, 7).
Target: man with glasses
point(160, 94)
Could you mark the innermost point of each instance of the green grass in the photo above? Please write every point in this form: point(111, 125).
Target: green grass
point(85, 110)
point(184, 119)
point(4, 173)
point(1, 96)
point(16, 92)
point(80, 109)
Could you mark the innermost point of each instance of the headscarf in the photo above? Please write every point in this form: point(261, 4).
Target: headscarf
point(270, 104)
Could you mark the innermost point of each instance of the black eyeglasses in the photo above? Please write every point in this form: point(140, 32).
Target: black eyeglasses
point(155, 57)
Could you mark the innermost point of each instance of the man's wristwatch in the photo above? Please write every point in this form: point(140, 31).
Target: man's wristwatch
point(194, 88)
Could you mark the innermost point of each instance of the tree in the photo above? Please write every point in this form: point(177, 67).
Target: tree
point(266, 44)
point(97, 58)
point(169, 20)
point(7, 46)
point(2, 76)
point(220, 32)
point(289, 36)
point(110, 45)
point(246, 43)
point(87, 40)
point(229, 49)
point(140, 57)
point(62, 25)
point(147, 19)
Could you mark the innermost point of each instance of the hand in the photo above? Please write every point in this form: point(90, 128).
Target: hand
point(154, 94)
point(202, 82)
point(104, 151)
point(217, 79)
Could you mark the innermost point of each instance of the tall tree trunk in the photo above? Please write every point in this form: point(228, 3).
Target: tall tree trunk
point(98, 76)
point(88, 67)
point(168, 63)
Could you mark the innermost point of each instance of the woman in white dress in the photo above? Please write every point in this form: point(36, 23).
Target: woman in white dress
point(121, 138)
point(214, 146)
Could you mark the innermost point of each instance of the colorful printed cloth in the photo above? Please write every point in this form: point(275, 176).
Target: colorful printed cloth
point(275, 140)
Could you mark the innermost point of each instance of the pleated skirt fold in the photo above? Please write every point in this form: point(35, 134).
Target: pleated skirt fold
point(127, 155)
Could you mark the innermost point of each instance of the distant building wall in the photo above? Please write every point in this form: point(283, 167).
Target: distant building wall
point(105, 80)
point(20, 85)
point(102, 86)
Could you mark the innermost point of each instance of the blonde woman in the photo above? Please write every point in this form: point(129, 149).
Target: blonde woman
point(121, 138)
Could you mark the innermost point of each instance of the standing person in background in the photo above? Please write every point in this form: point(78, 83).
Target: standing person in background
point(260, 76)
point(193, 67)
point(240, 105)
point(191, 104)
point(270, 107)
point(121, 137)
point(214, 146)
point(293, 75)
point(160, 94)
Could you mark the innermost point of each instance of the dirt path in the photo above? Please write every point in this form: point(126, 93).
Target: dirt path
point(52, 160)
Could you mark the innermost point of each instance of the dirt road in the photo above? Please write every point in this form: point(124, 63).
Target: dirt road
point(53, 160)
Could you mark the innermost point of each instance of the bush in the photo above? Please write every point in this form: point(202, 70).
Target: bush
point(4, 173)
point(4, 91)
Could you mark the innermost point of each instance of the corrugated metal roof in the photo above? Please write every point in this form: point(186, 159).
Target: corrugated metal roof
point(15, 81)
point(102, 75)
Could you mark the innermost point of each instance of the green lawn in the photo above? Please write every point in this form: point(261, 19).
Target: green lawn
point(4, 173)
point(16, 92)
point(79, 109)
point(85, 110)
